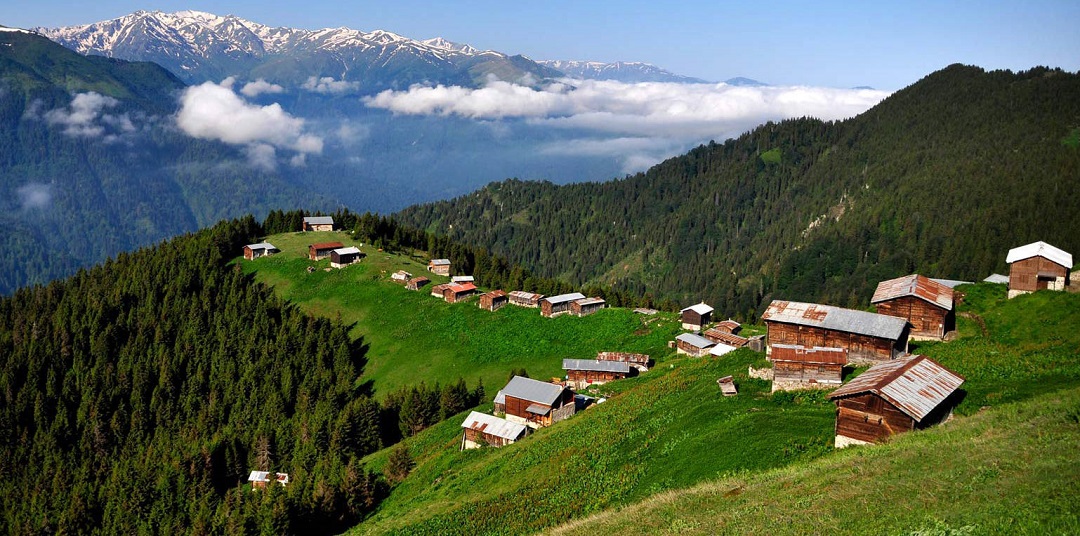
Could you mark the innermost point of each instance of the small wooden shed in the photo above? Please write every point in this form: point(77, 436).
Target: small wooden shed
point(321, 251)
point(926, 304)
point(481, 429)
point(342, 257)
point(799, 367)
point(439, 266)
point(492, 301)
point(525, 299)
point(693, 344)
point(894, 397)
point(868, 337)
point(586, 306)
point(439, 289)
point(262, 249)
point(260, 479)
point(535, 403)
point(557, 305)
point(463, 279)
point(1037, 266)
point(580, 373)
point(696, 316)
point(401, 277)
point(416, 283)
point(455, 293)
point(318, 223)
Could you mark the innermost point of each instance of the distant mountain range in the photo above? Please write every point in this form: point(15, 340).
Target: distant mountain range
point(622, 71)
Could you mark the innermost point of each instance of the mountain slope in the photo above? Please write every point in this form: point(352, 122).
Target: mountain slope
point(622, 71)
point(941, 178)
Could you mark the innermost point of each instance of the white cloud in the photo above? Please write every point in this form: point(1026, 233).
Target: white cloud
point(215, 112)
point(327, 84)
point(84, 116)
point(260, 86)
point(634, 154)
point(34, 195)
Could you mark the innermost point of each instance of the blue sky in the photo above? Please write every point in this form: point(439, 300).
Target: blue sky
point(886, 45)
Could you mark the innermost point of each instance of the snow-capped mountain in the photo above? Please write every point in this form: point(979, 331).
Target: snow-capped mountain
point(622, 71)
point(199, 46)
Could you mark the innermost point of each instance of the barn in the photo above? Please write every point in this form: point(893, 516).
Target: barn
point(894, 397)
point(260, 479)
point(439, 266)
point(262, 249)
point(799, 367)
point(868, 337)
point(401, 277)
point(318, 223)
point(536, 403)
point(696, 316)
point(580, 373)
point(321, 251)
point(1037, 266)
point(525, 299)
point(587, 306)
point(926, 304)
point(481, 429)
point(638, 361)
point(455, 293)
point(342, 257)
point(557, 305)
point(416, 283)
point(492, 301)
point(693, 344)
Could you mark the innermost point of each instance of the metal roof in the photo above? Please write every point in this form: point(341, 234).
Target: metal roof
point(351, 250)
point(328, 245)
point(261, 245)
point(538, 409)
point(318, 220)
point(522, 295)
point(259, 476)
point(563, 298)
point(915, 385)
point(439, 262)
point(721, 349)
point(721, 336)
point(1040, 249)
point(465, 287)
point(596, 365)
point(532, 390)
point(951, 283)
point(590, 301)
point(463, 279)
point(997, 278)
point(921, 287)
point(500, 398)
point(695, 340)
point(623, 356)
point(491, 425)
point(700, 309)
point(729, 323)
point(817, 354)
point(495, 294)
point(835, 318)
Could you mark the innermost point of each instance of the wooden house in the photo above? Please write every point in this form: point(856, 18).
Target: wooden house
point(321, 251)
point(455, 293)
point(586, 306)
point(638, 361)
point(463, 279)
point(728, 326)
point(481, 429)
point(926, 304)
point(260, 479)
point(401, 277)
point(693, 344)
point(342, 257)
point(1037, 266)
point(868, 337)
point(262, 249)
point(894, 397)
point(557, 305)
point(536, 403)
point(696, 316)
point(721, 335)
point(799, 367)
point(318, 223)
point(580, 373)
point(416, 283)
point(439, 266)
point(438, 290)
point(492, 301)
point(525, 299)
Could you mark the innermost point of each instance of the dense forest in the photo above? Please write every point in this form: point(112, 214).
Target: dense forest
point(941, 178)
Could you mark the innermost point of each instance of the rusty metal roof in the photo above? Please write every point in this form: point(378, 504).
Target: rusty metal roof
point(721, 336)
point(729, 324)
point(328, 245)
point(464, 287)
point(563, 298)
point(495, 426)
point(494, 294)
point(818, 355)
point(700, 309)
point(440, 288)
point(921, 287)
point(596, 365)
point(695, 340)
point(915, 385)
point(529, 296)
point(1040, 249)
point(623, 356)
point(835, 318)
point(590, 301)
point(532, 390)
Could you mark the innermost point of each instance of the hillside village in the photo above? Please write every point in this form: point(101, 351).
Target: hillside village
point(809, 346)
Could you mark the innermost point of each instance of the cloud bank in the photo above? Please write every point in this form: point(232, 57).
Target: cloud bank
point(34, 195)
point(85, 117)
point(328, 85)
point(260, 86)
point(215, 112)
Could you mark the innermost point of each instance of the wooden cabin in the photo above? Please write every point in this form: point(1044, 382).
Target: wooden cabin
point(581, 373)
point(525, 299)
point(262, 249)
point(492, 301)
point(260, 479)
point(317, 252)
point(693, 344)
point(557, 305)
point(892, 398)
point(728, 326)
point(481, 429)
point(1037, 266)
point(416, 283)
point(926, 304)
point(342, 257)
point(696, 316)
point(438, 290)
point(868, 337)
point(439, 266)
point(638, 361)
point(535, 403)
point(721, 335)
point(401, 277)
point(799, 367)
point(463, 279)
point(318, 223)
point(455, 293)
point(587, 306)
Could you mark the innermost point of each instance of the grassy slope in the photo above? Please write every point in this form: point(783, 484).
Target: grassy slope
point(415, 337)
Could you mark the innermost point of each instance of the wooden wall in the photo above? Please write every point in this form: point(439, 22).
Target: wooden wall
point(690, 349)
point(927, 319)
point(869, 417)
point(582, 310)
point(795, 371)
point(861, 348)
point(581, 378)
point(691, 317)
point(1024, 275)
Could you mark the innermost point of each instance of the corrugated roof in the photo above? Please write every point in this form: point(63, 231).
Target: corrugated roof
point(835, 318)
point(439, 262)
point(915, 385)
point(729, 323)
point(494, 294)
point(721, 349)
point(465, 287)
point(596, 365)
point(351, 250)
point(440, 288)
point(1039, 249)
point(463, 279)
point(261, 245)
point(319, 220)
point(817, 354)
point(532, 390)
point(489, 424)
point(921, 287)
point(623, 356)
point(695, 340)
point(721, 336)
point(328, 245)
point(700, 308)
point(259, 476)
point(528, 296)
point(500, 398)
point(538, 409)
point(951, 283)
point(997, 278)
point(563, 298)
point(590, 301)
